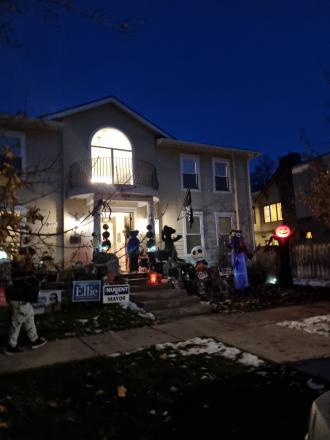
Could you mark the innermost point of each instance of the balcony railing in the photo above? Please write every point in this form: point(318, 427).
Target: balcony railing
point(113, 170)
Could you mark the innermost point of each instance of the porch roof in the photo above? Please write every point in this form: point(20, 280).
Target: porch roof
point(20, 121)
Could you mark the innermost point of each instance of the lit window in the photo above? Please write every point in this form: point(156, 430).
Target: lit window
point(273, 212)
point(190, 172)
point(267, 214)
point(221, 175)
point(309, 235)
point(279, 211)
point(111, 154)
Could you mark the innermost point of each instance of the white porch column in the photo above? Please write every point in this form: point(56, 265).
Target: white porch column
point(96, 219)
point(150, 212)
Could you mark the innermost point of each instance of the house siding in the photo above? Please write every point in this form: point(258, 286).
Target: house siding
point(72, 144)
point(206, 201)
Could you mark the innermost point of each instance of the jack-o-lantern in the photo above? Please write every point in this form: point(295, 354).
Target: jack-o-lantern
point(282, 232)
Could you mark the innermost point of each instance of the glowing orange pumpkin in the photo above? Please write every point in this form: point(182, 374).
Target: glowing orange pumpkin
point(282, 231)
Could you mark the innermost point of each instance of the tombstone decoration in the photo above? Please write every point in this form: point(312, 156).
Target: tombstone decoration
point(282, 235)
point(239, 253)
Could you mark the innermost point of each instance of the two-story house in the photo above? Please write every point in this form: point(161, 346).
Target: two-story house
point(104, 150)
point(281, 201)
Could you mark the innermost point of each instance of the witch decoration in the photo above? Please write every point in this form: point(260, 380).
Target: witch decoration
point(133, 245)
point(239, 253)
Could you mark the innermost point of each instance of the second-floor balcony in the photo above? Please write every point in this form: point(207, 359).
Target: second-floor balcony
point(113, 171)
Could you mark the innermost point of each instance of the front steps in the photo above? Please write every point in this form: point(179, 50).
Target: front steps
point(164, 301)
point(167, 303)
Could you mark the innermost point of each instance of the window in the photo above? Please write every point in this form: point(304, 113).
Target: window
point(273, 212)
point(221, 177)
point(16, 142)
point(111, 154)
point(194, 235)
point(223, 226)
point(190, 178)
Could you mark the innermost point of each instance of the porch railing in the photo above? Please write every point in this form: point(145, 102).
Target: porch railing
point(113, 170)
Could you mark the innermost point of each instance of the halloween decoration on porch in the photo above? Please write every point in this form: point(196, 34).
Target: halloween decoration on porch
point(239, 253)
point(187, 207)
point(202, 277)
point(282, 235)
point(151, 239)
point(167, 233)
point(143, 262)
point(106, 244)
point(133, 246)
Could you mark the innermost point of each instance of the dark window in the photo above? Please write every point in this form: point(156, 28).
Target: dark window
point(190, 173)
point(14, 143)
point(221, 176)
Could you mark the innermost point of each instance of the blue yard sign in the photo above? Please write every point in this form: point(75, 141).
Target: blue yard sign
point(86, 291)
point(117, 293)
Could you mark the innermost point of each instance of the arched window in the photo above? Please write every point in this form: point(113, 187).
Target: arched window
point(111, 154)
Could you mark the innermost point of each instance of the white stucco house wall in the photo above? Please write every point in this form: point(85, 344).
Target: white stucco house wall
point(105, 150)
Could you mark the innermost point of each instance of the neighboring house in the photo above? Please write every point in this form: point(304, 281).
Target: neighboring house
point(105, 150)
point(280, 201)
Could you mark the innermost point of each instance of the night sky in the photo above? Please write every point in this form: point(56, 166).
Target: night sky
point(236, 73)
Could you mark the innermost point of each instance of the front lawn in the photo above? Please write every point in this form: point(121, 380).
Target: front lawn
point(78, 320)
point(158, 393)
point(265, 296)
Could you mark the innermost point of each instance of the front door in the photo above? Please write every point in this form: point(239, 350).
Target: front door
point(119, 225)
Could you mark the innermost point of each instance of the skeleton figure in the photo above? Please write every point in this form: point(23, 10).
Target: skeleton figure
point(198, 254)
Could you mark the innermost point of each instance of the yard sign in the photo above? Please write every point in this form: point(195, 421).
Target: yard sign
point(86, 291)
point(118, 293)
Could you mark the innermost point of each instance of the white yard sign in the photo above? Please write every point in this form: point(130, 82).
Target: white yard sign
point(116, 293)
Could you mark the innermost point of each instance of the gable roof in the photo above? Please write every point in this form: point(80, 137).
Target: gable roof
point(107, 100)
point(295, 168)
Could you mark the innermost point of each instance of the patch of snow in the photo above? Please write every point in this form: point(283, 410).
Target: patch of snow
point(69, 334)
point(82, 321)
point(197, 346)
point(314, 385)
point(250, 359)
point(316, 324)
point(140, 311)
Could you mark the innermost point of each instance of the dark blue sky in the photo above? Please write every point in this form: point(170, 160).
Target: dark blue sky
point(227, 72)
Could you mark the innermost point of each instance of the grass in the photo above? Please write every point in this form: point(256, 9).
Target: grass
point(265, 296)
point(167, 396)
point(78, 320)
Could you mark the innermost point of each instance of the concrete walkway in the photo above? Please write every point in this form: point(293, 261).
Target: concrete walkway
point(254, 332)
